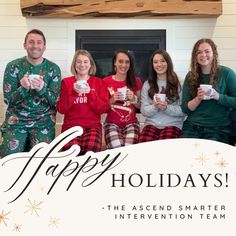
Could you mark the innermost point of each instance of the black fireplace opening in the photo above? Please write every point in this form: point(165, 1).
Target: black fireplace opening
point(103, 43)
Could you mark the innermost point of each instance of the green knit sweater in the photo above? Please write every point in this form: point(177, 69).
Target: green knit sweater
point(211, 113)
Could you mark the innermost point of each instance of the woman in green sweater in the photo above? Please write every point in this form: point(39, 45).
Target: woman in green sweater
point(208, 110)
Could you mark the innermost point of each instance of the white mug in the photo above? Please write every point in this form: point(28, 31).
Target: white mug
point(161, 96)
point(80, 84)
point(206, 88)
point(32, 77)
point(123, 90)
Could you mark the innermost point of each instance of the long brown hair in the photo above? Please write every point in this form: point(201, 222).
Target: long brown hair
point(172, 81)
point(130, 78)
point(195, 68)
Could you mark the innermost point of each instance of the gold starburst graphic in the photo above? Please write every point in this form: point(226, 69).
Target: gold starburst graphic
point(196, 144)
point(53, 221)
point(222, 163)
point(202, 159)
point(33, 207)
point(17, 227)
point(3, 217)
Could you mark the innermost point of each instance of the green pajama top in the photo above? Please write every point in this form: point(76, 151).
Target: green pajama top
point(30, 109)
point(211, 113)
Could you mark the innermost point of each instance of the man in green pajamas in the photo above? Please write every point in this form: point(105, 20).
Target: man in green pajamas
point(31, 85)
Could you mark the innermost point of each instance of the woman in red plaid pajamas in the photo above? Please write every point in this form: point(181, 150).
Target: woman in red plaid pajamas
point(83, 99)
point(121, 126)
point(164, 117)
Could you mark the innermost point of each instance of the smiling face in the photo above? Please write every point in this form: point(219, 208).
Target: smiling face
point(82, 65)
point(122, 64)
point(159, 64)
point(35, 46)
point(205, 56)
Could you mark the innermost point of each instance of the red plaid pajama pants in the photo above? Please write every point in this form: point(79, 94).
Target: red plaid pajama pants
point(151, 133)
point(90, 140)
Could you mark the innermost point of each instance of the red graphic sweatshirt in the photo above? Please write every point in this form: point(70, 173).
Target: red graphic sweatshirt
point(84, 110)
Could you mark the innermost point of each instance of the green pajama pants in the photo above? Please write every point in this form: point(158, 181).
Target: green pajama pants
point(220, 134)
point(19, 140)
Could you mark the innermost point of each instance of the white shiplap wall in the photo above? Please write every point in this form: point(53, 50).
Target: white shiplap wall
point(60, 34)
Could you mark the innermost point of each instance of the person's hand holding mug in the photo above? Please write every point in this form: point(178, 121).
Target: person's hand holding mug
point(130, 95)
point(36, 82)
point(205, 91)
point(24, 82)
point(159, 101)
point(120, 94)
point(214, 94)
point(81, 86)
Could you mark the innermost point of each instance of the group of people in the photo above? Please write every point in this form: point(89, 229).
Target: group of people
point(34, 92)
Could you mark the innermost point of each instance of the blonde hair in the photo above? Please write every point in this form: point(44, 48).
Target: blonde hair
point(92, 70)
